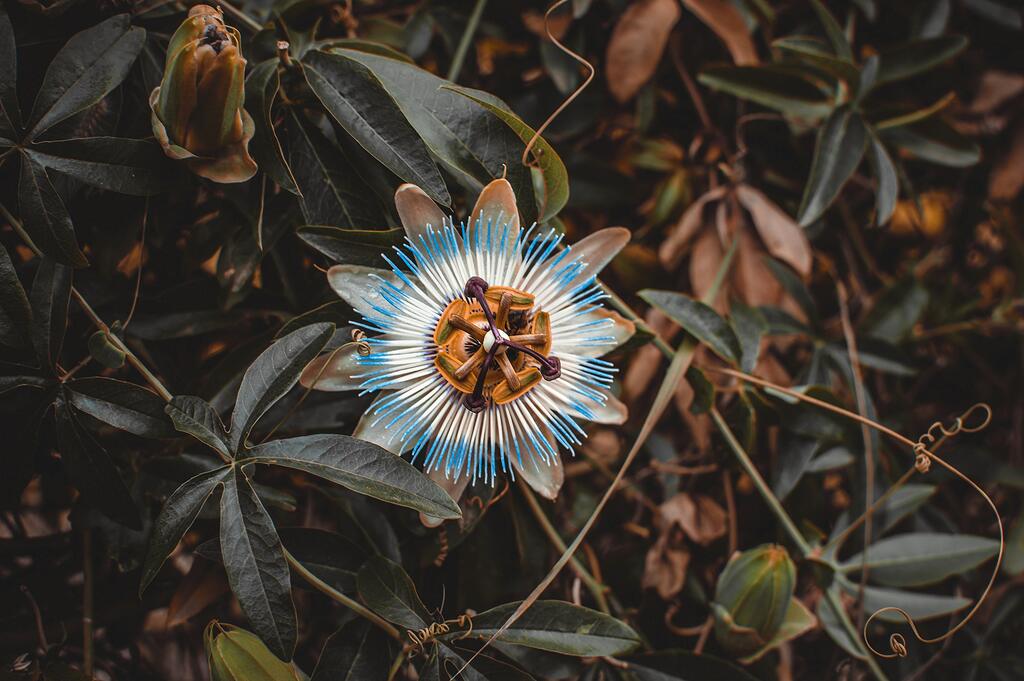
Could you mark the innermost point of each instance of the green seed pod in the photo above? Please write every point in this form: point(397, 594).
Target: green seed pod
point(198, 114)
point(236, 655)
point(752, 597)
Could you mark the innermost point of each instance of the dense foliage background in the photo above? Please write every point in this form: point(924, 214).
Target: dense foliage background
point(840, 182)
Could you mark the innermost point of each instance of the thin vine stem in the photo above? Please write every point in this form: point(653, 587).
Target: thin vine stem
point(467, 38)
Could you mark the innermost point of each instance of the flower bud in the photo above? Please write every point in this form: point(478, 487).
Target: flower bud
point(236, 655)
point(752, 598)
point(198, 113)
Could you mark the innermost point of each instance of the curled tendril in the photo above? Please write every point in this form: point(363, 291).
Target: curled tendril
point(421, 637)
point(359, 337)
point(923, 459)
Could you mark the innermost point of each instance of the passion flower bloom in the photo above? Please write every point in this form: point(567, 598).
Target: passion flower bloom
point(485, 342)
point(197, 111)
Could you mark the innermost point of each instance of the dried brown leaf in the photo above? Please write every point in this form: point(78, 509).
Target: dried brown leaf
point(782, 236)
point(637, 44)
point(722, 17)
point(699, 516)
point(1007, 178)
point(665, 567)
point(690, 223)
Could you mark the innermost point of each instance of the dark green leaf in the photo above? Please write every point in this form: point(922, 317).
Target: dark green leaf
point(559, 627)
point(885, 174)
point(703, 390)
point(10, 112)
point(388, 590)
point(915, 57)
point(261, 88)
point(796, 288)
point(795, 453)
point(176, 516)
point(256, 566)
point(934, 140)
point(897, 310)
point(44, 216)
point(833, 31)
point(922, 558)
point(195, 416)
point(749, 325)
point(92, 471)
point(773, 87)
point(8, 383)
point(361, 466)
point(123, 405)
point(837, 154)
point(813, 51)
point(332, 193)
point(332, 557)
point(15, 312)
point(468, 140)
point(918, 605)
point(89, 66)
point(699, 320)
point(51, 293)
point(127, 166)
point(555, 178)
point(351, 246)
point(682, 665)
point(362, 106)
point(272, 375)
point(355, 652)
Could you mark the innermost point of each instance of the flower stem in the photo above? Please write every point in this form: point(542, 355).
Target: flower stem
point(467, 37)
point(326, 589)
point(241, 16)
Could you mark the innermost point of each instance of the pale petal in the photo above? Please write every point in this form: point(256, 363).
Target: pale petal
point(597, 250)
point(357, 286)
point(417, 210)
point(454, 486)
point(543, 478)
point(782, 236)
point(613, 412)
point(497, 202)
point(334, 371)
point(373, 429)
point(615, 331)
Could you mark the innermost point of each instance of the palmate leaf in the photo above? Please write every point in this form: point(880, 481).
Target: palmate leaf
point(699, 320)
point(922, 558)
point(15, 312)
point(10, 111)
point(124, 405)
point(351, 246)
point(934, 140)
point(44, 216)
point(261, 89)
point(273, 374)
point(255, 564)
point(87, 68)
point(558, 627)
point(51, 294)
point(176, 516)
point(356, 651)
point(360, 466)
point(885, 174)
point(839, 150)
point(389, 592)
point(332, 557)
point(196, 417)
point(916, 57)
point(127, 166)
point(357, 100)
point(775, 87)
point(920, 606)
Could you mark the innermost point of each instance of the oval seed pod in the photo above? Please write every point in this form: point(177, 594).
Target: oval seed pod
point(752, 597)
point(236, 655)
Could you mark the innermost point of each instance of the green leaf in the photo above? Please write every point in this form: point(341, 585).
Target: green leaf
point(272, 375)
point(44, 216)
point(554, 177)
point(934, 140)
point(355, 652)
point(331, 193)
point(885, 174)
point(87, 68)
point(261, 89)
point(127, 166)
point(798, 290)
point(771, 86)
point(358, 101)
point(332, 557)
point(699, 320)
point(833, 31)
point(683, 665)
point(176, 516)
point(351, 246)
point(703, 391)
point(255, 564)
point(360, 466)
point(897, 310)
point(834, 628)
point(386, 588)
point(749, 325)
point(795, 454)
point(837, 154)
point(922, 558)
point(15, 312)
point(920, 606)
point(798, 621)
point(463, 136)
point(92, 471)
point(51, 293)
point(917, 56)
point(10, 111)
point(558, 627)
point(813, 51)
point(123, 405)
point(195, 416)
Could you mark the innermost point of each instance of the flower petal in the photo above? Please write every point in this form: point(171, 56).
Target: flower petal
point(454, 486)
point(373, 429)
point(497, 202)
point(417, 210)
point(360, 287)
point(544, 478)
point(613, 412)
point(596, 333)
point(334, 371)
point(596, 251)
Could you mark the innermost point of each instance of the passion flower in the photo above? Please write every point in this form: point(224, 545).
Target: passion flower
point(485, 342)
point(197, 110)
